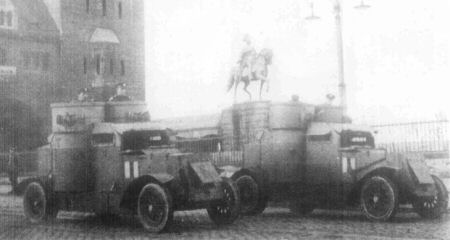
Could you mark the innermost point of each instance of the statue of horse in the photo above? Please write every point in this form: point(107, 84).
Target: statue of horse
point(255, 70)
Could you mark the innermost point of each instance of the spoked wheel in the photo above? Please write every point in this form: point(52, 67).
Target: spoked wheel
point(435, 206)
point(226, 210)
point(36, 204)
point(379, 198)
point(249, 194)
point(154, 208)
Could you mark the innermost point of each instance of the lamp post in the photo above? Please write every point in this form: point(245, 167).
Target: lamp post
point(340, 48)
point(340, 56)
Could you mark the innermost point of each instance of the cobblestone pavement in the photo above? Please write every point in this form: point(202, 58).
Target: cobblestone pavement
point(274, 223)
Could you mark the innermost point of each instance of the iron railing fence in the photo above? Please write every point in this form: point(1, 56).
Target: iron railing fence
point(428, 137)
point(219, 150)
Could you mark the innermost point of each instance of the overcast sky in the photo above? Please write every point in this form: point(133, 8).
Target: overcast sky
point(396, 55)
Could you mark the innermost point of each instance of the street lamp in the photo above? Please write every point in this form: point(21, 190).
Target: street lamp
point(312, 16)
point(362, 5)
point(340, 47)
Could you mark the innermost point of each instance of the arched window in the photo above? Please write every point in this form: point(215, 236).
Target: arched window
point(2, 18)
point(119, 10)
point(9, 18)
point(84, 65)
point(104, 7)
point(122, 67)
point(111, 66)
point(45, 61)
point(97, 63)
point(2, 56)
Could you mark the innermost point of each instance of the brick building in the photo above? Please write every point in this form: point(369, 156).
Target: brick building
point(29, 70)
point(102, 44)
point(49, 49)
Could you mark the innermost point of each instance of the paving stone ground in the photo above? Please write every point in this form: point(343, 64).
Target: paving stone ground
point(274, 223)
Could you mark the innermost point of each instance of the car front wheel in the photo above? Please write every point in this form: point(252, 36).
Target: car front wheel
point(379, 198)
point(37, 205)
point(433, 207)
point(154, 208)
point(225, 210)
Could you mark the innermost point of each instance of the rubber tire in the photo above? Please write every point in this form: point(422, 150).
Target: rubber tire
point(226, 210)
point(42, 210)
point(391, 192)
point(162, 195)
point(249, 194)
point(261, 205)
point(440, 201)
point(301, 208)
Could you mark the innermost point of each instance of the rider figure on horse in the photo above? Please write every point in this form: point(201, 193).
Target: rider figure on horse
point(248, 54)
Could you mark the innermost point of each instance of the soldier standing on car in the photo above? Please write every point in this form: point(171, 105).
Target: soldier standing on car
point(121, 94)
point(83, 95)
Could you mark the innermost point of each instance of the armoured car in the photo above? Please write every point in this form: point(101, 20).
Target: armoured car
point(108, 158)
point(313, 156)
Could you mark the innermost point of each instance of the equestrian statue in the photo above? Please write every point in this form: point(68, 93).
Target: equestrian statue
point(252, 66)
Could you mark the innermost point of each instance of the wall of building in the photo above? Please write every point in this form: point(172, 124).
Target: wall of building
point(29, 71)
point(119, 62)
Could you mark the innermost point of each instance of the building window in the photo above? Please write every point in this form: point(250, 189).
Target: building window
point(84, 65)
point(26, 59)
point(6, 19)
point(45, 61)
point(111, 66)
point(119, 9)
point(2, 56)
point(122, 67)
point(2, 18)
point(104, 7)
point(34, 60)
point(87, 6)
point(97, 64)
point(9, 18)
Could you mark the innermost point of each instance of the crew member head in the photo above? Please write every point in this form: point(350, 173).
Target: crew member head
point(330, 98)
point(83, 95)
point(121, 89)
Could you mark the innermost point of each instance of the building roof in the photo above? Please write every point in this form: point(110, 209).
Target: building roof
point(34, 17)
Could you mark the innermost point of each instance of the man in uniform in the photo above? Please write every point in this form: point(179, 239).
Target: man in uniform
point(121, 94)
point(83, 95)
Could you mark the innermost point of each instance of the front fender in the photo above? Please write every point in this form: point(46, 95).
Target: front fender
point(132, 190)
point(44, 180)
point(161, 178)
point(228, 171)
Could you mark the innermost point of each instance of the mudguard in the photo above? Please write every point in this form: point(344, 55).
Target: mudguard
point(419, 168)
point(161, 177)
point(205, 172)
point(414, 175)
point(228, 171)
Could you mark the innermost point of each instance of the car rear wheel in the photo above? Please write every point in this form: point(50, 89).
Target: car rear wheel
point(226, 210)
point(249, 194)
point(154, 208)
point(433, 207)
point(379, 198)
point(37, 205)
